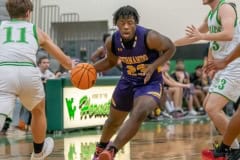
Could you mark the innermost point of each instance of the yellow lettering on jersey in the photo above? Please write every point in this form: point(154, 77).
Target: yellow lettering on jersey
point(134, 59)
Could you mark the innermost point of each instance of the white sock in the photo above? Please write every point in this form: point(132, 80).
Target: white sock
point(235, 144)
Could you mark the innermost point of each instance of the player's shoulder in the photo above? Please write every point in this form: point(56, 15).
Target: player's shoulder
point(227, 7)
point(152, 35)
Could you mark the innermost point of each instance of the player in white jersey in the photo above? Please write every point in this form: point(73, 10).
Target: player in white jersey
point(19, 42)
point(221, 28)
point(233, 129)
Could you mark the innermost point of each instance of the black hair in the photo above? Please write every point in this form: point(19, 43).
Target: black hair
point(126, 12)
point(105, 36)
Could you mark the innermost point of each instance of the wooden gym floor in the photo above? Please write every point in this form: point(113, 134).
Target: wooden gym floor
point(161, 140)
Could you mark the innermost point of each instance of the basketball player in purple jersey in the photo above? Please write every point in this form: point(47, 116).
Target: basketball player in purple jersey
point(138, 91)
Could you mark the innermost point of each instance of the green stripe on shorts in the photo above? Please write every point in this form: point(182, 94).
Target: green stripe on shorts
point(17, 64)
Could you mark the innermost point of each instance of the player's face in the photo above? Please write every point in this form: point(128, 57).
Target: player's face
point(205, 2)
point(127, 27)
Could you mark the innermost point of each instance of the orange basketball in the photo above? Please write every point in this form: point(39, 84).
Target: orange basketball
point(83, 76)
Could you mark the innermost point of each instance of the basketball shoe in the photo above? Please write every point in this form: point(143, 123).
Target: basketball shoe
point(107, 154)
point(219, 154)
point(214, 154)
point(46, 151)
point(99, 150)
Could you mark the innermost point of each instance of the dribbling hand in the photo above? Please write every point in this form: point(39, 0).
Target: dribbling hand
point(74, 63)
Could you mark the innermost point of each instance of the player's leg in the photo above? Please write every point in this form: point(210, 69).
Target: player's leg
point(7, 102)
point(221, 91)
point(230, 135)
point(146, 99)
point(2, 123)
point(120, 107)
point(32, 97)
point(8, 86)
point(39, 119)
point(233, 129)
point(143, 105)
point(114, 121)
point(214, 106)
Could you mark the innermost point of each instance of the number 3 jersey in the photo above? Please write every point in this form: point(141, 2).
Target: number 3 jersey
point(18, 41)
point(225, 82)
point(135, 58)
point(220, 49)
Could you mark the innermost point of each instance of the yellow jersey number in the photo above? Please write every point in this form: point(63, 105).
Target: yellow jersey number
point(138, 70)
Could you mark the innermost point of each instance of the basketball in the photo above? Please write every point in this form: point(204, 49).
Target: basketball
point(83, 76)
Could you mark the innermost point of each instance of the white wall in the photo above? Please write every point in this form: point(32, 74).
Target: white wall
point(169, 17)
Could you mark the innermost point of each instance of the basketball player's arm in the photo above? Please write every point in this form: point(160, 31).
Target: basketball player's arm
point(47, 44)
point(98, 53)
point(108, 61)
point(227, 17)
point(165, 47)
point(218, 64)
point(203, 28)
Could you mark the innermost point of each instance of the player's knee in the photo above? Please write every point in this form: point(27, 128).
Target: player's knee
point(139, 115)
point(39, 109)
point(210, 109)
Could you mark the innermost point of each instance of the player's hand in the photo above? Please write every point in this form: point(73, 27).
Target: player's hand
point(148, 73)
point(74, 63)
point(193, 33)
point(216, 64)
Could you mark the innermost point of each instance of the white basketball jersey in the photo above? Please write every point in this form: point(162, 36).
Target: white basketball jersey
point(18, 42)
point(220, 49)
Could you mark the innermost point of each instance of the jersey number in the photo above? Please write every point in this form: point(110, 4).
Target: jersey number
point(9, 37)
point(221, 84)
point(215, 46)
point(136, 71)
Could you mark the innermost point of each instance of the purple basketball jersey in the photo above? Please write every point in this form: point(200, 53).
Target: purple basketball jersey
point(134, 59)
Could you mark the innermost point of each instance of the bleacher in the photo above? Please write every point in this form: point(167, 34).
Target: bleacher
point(3, 12)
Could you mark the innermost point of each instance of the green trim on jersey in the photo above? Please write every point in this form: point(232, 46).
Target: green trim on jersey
point(35, 33)
point(212, 12)
point(236, 20)
point(17, 20)
point(219, 5)
point(17, 64)
point(218, 20)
